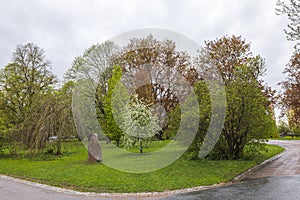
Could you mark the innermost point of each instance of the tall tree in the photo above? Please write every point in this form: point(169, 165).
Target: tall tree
point(248, 119)
point(247, 114)
point(23, 81)
point(291, 87)
point(29, 74)
point(225, 54)
point(154, 69)
point(113, 104)
point(96, 65)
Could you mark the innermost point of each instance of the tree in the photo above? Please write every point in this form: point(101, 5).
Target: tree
point(150, 68)
point(154, 70)
point(25, 77)
point(22, 82)
point(188, 120)
point(3, 124)
point(96, 65)
point(114, 100)
point(139, 123)
point(283, 127)
point(292, 11)
point(50, 116)
point(290, 99)
point(2, 116)
point(223, 54)
point(248, 118)
point(291, 85)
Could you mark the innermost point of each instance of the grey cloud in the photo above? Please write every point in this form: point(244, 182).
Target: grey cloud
point(65, 28)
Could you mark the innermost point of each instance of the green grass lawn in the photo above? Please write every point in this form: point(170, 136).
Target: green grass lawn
point(286, 138)
point(71, 170)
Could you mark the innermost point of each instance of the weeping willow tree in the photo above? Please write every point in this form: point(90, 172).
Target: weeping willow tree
point(51, 116)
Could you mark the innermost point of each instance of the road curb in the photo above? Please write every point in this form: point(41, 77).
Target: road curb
point(256, 167)
point(141, 195)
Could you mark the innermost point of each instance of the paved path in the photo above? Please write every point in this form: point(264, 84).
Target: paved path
point(15, 190)
point(287, 164)
point(269, 188)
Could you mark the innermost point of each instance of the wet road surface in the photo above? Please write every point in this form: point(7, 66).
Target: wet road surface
point(287, 164)
point(271, 188)
point(11, 190)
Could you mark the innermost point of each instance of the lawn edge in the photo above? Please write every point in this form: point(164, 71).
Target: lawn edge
point(110, 195)
point(151, 195)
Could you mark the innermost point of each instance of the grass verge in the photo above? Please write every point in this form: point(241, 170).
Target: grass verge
point(286, 138)
point(71, 170)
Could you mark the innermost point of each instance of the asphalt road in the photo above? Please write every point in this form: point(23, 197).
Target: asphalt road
point(271, 188)
point(11, 190)
point(279, 179)
point(287, 164)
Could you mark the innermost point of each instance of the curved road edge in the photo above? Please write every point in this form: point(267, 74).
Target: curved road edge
point(143, 195)
point(256, 167)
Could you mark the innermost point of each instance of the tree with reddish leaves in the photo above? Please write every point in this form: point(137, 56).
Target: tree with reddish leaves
point(248, 117)
point(290, 99)
point(154, 70)
point(224, 54)
point(291, 95)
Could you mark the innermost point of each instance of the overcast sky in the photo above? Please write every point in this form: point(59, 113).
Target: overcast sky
point(64, 29)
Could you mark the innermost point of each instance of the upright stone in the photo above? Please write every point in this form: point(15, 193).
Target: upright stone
point(94, 149)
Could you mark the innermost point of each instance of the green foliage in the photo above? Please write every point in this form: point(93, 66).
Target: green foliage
point(286, 138)
point(248, 121)
point(113, 101)
point(187, 120)
point(51, 115)
point(283, 127)
point(138, 123)
point(25, 77)
point(296, 130)
point(23, 81)
point(31, 110)
point(248, 113)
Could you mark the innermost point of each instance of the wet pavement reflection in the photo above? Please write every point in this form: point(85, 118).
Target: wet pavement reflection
point(279, 187)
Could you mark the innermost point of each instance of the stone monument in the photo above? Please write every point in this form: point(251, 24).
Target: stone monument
point(94, 149)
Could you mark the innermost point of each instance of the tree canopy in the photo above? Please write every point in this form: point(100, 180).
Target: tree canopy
point(292, 11)
point(248, 117)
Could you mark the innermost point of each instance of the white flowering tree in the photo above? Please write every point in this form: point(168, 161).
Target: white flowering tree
point(138, 123)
